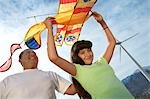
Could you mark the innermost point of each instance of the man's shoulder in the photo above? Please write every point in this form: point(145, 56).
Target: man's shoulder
point(50, 73)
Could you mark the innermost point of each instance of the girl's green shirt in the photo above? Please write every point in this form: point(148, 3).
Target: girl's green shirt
point(100, 81)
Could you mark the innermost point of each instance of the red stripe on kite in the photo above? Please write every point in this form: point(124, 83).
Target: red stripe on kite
point(54, 22)
point(67, 1)
point(61, 29)
point(79, 10)
point(73, 31)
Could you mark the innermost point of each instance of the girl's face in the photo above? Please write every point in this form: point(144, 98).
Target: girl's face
point(86, 55)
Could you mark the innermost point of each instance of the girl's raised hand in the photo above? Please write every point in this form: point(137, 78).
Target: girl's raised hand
point(97, 16)
point(48, 22)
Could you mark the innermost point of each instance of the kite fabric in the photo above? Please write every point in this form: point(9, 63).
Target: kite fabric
point(78, 13)
point(8, 63)
point(69, 20)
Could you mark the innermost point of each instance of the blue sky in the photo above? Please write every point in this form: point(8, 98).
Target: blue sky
point(124, 17)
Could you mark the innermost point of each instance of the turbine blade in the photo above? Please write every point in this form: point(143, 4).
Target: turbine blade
point(139, 66)
point(130, 37)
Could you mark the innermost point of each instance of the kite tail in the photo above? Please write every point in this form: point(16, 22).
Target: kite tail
point(8, 63)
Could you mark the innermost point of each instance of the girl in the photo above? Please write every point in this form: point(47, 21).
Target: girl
point(97, 78)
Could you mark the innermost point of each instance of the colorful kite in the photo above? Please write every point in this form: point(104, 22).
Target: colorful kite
point(70, 18)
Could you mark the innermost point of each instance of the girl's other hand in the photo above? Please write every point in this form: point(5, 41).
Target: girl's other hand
point(97, 16)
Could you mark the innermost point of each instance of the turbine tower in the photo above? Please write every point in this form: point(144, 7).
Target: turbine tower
point(147, 76)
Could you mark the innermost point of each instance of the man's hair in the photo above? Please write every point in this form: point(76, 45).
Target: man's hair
point(20, 56)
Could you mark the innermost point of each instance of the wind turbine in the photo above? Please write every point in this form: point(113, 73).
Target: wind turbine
point(120, 42)
point(147, 76)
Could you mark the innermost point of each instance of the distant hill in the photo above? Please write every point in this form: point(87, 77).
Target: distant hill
point(138, 85)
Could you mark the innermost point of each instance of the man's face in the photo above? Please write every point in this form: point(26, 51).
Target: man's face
point(29, 59)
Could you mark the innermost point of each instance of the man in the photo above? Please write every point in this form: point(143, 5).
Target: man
point(33, 83)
